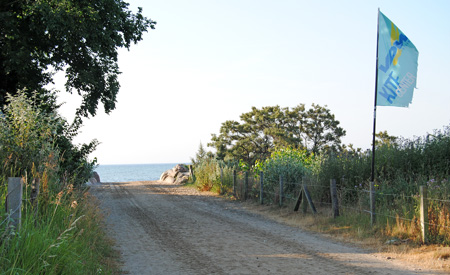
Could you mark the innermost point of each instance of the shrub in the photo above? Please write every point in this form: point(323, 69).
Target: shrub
point(27, 138)
point(208, 175)
point(65, 235)
point(291, 164)
point(33, 142)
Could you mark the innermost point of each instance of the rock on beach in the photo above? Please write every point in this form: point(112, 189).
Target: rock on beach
point(179, 175)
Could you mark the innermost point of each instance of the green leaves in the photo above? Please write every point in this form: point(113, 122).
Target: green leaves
point(32, 141)
point(322, 129)
point(38, 38)
point(263, 130)
point(26, 136)
point(290, 163)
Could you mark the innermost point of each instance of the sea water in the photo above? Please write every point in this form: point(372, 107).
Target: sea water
point(132, 172)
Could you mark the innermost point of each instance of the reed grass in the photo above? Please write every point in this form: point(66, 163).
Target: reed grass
point(66, 237)
point(402, 166)
point(64, 232)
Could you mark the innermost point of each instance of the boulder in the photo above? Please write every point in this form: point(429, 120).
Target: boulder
point(169, 179)
point(96, 176)
point(181, 168)
point(179, 175)
point(182, 178)
point(94, 179)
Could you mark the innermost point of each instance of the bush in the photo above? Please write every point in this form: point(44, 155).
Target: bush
point(40, 144)
point(27, 139)
point(208, 175)
point(291, 164)
point(65, 235)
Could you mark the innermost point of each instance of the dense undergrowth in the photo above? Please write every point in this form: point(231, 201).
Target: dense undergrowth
point(61, 232)
point(402, 166)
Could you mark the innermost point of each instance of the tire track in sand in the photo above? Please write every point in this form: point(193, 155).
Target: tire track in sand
point(168, 229)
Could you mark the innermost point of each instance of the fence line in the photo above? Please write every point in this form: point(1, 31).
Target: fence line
point(378, 193)
point(350, 190)
point(288, 190)
point(448, 201)
point(9, 215)
point(368, 191)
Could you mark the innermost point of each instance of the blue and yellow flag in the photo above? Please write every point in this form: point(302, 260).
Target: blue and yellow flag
point(397, 65)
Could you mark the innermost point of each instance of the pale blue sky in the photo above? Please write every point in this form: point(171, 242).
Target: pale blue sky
point(210, 61)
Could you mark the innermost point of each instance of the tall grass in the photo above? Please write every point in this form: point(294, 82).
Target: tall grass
point(63, 233)
point(402, 166)
point(213, 175)
point(65, 236)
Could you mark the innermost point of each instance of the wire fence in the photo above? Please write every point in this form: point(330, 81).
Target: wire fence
point(403, 207)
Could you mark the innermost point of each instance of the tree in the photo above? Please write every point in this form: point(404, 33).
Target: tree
point(236, 141)
point(201, 155)
point(322, 130)
point(265, 129)
point(39, 38)
point(383, 138)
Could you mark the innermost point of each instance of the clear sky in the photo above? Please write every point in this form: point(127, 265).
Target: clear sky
point(209, 61)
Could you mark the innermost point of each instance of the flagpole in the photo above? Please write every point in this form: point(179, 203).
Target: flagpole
point(372, 176)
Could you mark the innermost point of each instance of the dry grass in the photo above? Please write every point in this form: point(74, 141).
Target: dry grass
point(374, 239)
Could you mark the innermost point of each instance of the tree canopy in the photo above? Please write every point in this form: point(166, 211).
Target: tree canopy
point(81, 37)
point(261, 130)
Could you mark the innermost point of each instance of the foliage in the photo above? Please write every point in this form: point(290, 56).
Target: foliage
point(39, 38)
point(207, 175)
point(33, 142)
point(66, 237)
point(64, 234)
point(27, 137)
point(74, 163)
point(291, 164)
point(402, 166)
point(383, 138)
point(213, 175)
point(201, 155)
point(322, 130)
point(265, 129)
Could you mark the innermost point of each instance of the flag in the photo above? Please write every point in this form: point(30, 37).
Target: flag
point(397, 65)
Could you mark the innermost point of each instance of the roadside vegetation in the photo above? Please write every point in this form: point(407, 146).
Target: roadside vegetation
point(304, 147)
point(61, 231)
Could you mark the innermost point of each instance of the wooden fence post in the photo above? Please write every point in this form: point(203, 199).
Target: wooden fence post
point(305, 201)
point(234, 183)
point(14, 201)
point(221, 180)
point(308, 197)
point(281, 190)
point(245, 185)
point(424, 213)
point(261, 184)
point(372, 203)
point(334, 198)
point(191, 173)
point(299, 200)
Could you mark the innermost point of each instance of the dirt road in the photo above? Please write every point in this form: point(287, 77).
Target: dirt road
point(168, 229)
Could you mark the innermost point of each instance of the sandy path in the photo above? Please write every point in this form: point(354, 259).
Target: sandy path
point(168, 229)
